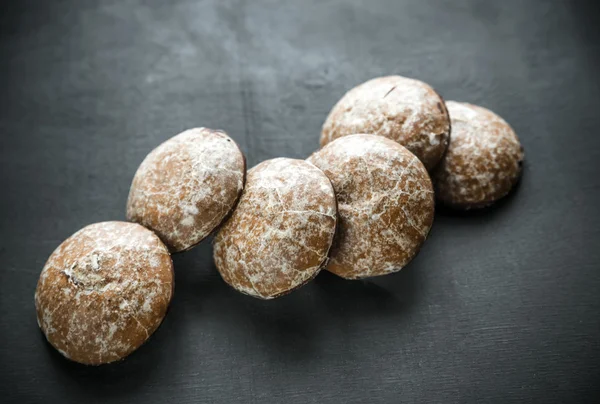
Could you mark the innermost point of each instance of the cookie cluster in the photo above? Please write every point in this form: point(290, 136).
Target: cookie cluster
point(360, 206)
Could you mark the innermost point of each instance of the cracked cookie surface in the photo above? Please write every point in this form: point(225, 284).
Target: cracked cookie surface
point(104, 291)
point(278, 237)
point(385, 204)
point(483, 162)
point(405, 110)
point(187, 186)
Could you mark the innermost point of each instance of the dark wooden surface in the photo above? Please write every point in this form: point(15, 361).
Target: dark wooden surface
point(500, 306)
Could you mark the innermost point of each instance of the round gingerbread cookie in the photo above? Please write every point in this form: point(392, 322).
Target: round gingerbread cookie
point(483, 161)
point(279, 236)
point(385, 204)
point(104, 291)
point(398, 108)
point(186, 187)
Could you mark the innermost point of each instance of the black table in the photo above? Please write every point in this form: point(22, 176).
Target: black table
point(500, 306)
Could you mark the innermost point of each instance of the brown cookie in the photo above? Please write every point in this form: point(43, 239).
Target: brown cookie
point(104, 291)
point(279, 236)
point(385, 204)
point(483, 161)
point(187, 186)
point(402, 109)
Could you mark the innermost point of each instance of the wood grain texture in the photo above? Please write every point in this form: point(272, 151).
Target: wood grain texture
point(500, 306)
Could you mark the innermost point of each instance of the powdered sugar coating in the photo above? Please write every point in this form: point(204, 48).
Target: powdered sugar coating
point(483, 161)
point(104, 291)
point(402, 109)
point(385, 204)
point(186, 186)
point(279, 236)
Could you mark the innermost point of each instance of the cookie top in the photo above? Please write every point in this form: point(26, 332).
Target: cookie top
point(104, 291)
point(279, 236)
point(483, 161)
point(186, 186)
point(398, 108)
point(385, 204)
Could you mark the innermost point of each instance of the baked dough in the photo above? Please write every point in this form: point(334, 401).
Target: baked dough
point(398, 108)
point(187, 186)
point(483, 161)
point(104, 291)
point(385, 204)
point(279, 236)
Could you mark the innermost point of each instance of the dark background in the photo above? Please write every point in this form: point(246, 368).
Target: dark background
point(500, 306)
